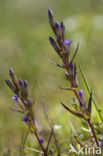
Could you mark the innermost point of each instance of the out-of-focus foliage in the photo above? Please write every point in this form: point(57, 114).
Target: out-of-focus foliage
point(24, 31)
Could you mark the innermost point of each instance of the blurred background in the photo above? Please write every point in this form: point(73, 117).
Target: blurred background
point(24, 32)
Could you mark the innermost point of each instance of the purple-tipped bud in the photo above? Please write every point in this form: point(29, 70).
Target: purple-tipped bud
point(67, 45)
point(16, 98)
point(68, 42)
point(20, 82)
point(25, 84)
point(25, 118)
point(58, 31)
point(71, 71)
point(57, 25)
point(81, 93)
point(71, 65)
point(51, 40)
point(10, 85)
point(41, 140)
point(14, 79)
point(11, 72)
point(53, 43)
point(63, 30)
point(62, 25)
point(51, 18)
point(50, 13)
point(50, 151)
point(29, 103)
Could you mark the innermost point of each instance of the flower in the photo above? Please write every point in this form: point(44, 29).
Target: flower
point(41, 140)
point(16, 98)
point(67, 45)
point(81, 93)
point(25, 118)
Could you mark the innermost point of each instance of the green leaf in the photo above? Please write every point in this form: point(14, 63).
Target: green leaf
point(78, 114)
point(89, 91)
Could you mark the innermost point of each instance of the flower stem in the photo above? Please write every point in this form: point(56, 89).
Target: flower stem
point(93, 132)
point(43, 149)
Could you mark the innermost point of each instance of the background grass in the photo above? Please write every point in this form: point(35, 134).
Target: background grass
point(24, 32)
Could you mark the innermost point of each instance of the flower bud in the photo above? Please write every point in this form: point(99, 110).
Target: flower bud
point(25, 118)
point(58, 31)
point(41, 140)
point(16, 98)
point(63, 30)
point(20, 82)
point(14, 79)
point(67, 45)
point(82, 100)
point(51, 18)
point(10, 85)
point(53, 43)
point(25, 89)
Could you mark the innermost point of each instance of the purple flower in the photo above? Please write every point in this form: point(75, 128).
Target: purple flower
point(20, 82)
point(25, 84)
point(71, 65)
point(67, 45)
point(16, 98)
point(41, 140)
point(71, 69)
point(82, 99)
point(25, 118)
point(81, 93)
point(68, 42)
point(29, 102)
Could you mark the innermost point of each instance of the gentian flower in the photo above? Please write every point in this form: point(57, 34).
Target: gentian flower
point(25, 118)
point(67, 45)
point(41, 140)
point(16, 98)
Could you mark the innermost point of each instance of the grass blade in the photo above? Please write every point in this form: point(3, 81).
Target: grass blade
point(89, 91)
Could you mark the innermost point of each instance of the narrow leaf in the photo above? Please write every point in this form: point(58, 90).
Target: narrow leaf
point(89, 91)
point(89, 109)
point(75, 52)
point(75, 112)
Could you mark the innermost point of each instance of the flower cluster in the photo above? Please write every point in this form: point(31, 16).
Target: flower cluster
point(83, 109)
point(62, 47)
point(20, 90)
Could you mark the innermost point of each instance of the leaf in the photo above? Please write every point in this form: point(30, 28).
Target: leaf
point(83, 116)
point(89, 91)
point(75, 52)
point(59, 65)
point(24, 140)
point(89, 109)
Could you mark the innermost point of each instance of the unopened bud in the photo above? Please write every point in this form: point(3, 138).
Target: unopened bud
point(51, 18)
point(14, 79)
point(10, 85)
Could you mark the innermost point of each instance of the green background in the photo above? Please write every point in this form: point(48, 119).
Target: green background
point(24, 32)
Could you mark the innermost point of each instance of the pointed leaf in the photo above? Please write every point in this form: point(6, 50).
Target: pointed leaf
point(75, 112)
point(89, 109)
point(89, 91)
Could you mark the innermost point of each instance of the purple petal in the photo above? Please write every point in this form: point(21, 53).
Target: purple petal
point(68, 42)
point(25, 118)
point(81, 93)
point(41, 140)
point(16, 98)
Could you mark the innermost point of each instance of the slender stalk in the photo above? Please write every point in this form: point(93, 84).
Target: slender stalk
point(43, 149)
point(49, 140)
point(93, 132)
